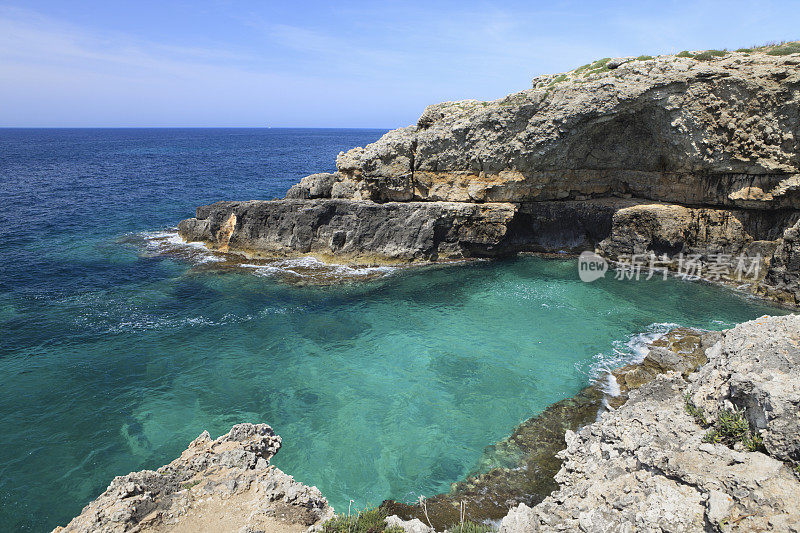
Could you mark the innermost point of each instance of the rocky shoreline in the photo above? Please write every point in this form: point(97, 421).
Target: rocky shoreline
point(226, 484)
point(659, 453)
point(712, 450)
point(660, 158)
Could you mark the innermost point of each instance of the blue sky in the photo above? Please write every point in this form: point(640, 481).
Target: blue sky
point(326, 64)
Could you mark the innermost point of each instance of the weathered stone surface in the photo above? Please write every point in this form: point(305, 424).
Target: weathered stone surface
point(645, 467)
point(314, 186)
point(360, 229)
point(409, 526)
point(670, 129)
point(225, 484)
point(756, 367)
point(665, 155)
point(673, 229)
point(782, 281)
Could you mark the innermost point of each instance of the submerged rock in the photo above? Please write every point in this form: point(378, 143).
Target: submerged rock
point(668, 155)
point(225, 484)
point(651, 466)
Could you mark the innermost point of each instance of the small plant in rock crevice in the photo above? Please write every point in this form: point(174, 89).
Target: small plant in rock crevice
point(470, 527)
point(731, 427)
point(369, 520)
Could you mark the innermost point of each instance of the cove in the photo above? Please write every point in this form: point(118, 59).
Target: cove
point(388, 388)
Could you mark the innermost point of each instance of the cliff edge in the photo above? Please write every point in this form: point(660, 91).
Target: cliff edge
point(688, 154)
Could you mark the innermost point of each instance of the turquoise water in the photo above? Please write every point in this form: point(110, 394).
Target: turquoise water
point(114, 355)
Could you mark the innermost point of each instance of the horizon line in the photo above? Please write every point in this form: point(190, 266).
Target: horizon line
point(191, 127)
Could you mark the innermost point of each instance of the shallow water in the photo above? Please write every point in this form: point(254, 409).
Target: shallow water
point(115, 354)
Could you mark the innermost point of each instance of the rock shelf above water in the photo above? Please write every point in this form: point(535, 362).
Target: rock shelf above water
point(668, 155)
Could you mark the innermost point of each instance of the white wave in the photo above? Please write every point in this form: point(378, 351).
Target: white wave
point(170, 242)
point(306, 266)
point(632, 350)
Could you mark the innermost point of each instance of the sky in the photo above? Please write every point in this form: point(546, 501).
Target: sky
point(231, 63)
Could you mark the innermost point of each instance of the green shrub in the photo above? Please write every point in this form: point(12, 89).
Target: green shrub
point(712, 436)
point(785, 49)
point(685, 53)
point(732, 424)
point(470, 527)
point(582, 68)
point(558, 79)
point(753, 441)
point(644, 58)
point(732, 427)
point(745, 50)
point(709, 54)
point(369, 520)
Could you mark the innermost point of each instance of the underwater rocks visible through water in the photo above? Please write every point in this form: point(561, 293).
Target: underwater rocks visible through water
point(528, 460)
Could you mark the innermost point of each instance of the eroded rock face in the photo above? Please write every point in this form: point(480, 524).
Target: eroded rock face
point(367, 231)
point(671, 129)
point(663, 155)
point(783, 278)
point(646, 467)
point(225, 484)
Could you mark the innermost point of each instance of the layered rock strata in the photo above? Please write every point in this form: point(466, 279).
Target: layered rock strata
point(225, 484)
point(664, 156)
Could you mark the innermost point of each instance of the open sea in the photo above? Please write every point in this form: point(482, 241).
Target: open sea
point(117, 349)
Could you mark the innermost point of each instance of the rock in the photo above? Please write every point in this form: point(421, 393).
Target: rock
point(314, 186)
point(593, 134)
point(223, 484)
point(782, 280)
point(409, 526)
point(645, 467)
point(364, 230)
point(618, 61)
point(670, 155)
point(756, 368)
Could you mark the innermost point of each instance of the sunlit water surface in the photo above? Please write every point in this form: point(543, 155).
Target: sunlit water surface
point(114, 354)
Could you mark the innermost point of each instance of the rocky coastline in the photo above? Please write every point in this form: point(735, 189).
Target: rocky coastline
point(702, 435)
point(224, 484)
point(660, 158)
point(666, 157)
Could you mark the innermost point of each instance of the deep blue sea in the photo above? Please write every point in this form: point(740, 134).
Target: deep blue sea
point(114, 355)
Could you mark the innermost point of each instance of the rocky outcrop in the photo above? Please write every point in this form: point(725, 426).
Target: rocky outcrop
point(660, 462)
point(225, 484)
point(783, 278)
point(366, 231)
point(667, 155)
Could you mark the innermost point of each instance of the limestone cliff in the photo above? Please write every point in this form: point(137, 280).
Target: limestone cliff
point(664, 155)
